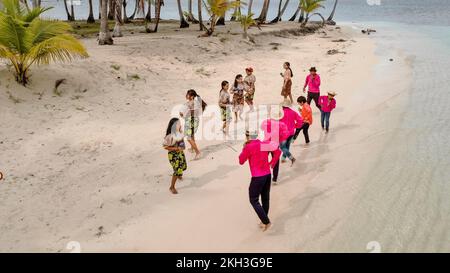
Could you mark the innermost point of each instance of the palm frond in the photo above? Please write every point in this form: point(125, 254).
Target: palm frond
point(40, 30)
point(60, 48)
point(13, 8)
point(12, 33)
point(34, 14)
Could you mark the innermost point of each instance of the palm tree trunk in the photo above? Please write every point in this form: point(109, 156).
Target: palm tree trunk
point(221, 21)
point(295, 14)
point(148, 16)
point(250, 4)
point(91, 18)
point(135, 10)
point(72, 11)
point(69, 16)
point(104, 37)
point(200, 19)
point(100, 9)
point(117, 32)
point(276, 19)
point(330, 18)
point(112, 9)
point(183, 22)
point(191, 17)
point(263, 16)
point(157, 14)
point(236, 11)
point(302, 17)
point(283, 10)
point(141, 8)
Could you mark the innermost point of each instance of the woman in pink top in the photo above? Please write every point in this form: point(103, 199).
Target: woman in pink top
point(327, 104)
point(257, 155)
point(293, 120)
point(277, 132)
point(313, 83)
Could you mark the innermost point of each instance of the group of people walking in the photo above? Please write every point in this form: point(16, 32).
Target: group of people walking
point(280, 130)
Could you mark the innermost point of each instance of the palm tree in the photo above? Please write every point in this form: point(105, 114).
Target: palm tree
point(117, 32)
point(148, 15)
point(124, 16)
point(136, 8)
point(296, 12)
point(265, 9)
point(91, 18)
point(104, 37)
point(246, 22)
point(280, 11)
point(309, 7)
point(221, 21)
point(25, 39)
point(237, 11)
point(70, 17)
point(249, 10)
point(278, 14)
point(217, 9)
point(158, 5)
point(112, 9)
point(330, 18)
point(141, 8)
point(301, 19)
point(183, 22)
point(200, 17)
point(190, 15)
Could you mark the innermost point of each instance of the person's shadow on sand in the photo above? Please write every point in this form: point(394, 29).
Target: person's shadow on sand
point(198, 182)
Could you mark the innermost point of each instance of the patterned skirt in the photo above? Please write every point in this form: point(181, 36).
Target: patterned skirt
point(249, 96)
point(191, 126)
point(178, 161)
point(286, 91)
point(238, 103)
point(225, 113)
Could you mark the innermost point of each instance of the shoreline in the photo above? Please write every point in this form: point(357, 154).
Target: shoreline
point(102, 166)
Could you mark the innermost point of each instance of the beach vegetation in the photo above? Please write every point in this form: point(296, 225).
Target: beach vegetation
point(216, 10)
point(246, 22)
point(310, 7)
point(27, 40)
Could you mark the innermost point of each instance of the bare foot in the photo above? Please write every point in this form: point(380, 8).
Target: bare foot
point(198, 156)
point(261, 225)
point(173, 190)
point(266, 227)
point(293, 161)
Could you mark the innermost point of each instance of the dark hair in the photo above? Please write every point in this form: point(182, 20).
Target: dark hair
point(301, 99)
point(172, 123)
point(235, 79)
point(289, 67)
point(191, 93)
point(224, 83)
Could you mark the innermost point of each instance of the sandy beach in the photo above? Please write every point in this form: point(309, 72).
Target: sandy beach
point(88, 166)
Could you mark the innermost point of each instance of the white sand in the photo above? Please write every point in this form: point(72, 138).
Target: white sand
point(93, 158)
